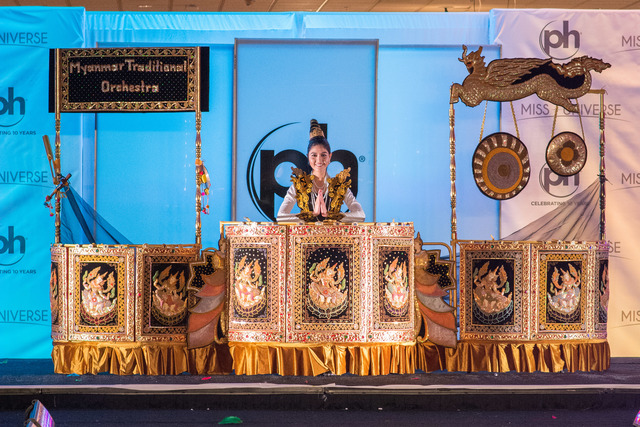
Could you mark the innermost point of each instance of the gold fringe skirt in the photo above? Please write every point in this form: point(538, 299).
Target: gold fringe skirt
point(315, 359)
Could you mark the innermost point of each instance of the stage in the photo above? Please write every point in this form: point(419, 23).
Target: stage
point(606, 398)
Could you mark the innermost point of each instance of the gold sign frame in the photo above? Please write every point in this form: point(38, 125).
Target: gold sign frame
point(64, 65)
point(195, 58)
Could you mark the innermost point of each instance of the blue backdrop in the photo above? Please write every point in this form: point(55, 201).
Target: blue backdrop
point(25, 179)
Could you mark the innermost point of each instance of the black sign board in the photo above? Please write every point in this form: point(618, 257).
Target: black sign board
point(129, 79)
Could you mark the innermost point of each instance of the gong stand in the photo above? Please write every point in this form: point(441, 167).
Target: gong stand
point(452, 162)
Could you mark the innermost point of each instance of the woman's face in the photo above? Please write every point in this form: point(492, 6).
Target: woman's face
point(319, 159)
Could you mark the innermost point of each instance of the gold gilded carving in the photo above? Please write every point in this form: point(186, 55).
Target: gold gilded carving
point(338, 187)
point(327, 289)
point(495, 290)
point(169, 297)
point(162, 297)
point(565, 294)
point(54, 293)
point(303, 183)
point(490, 288)
point(396, 291)
point(436, 319)
point(256, 300)
point(515, 78)
point(249, 291)
point(604, 289)
point(58, 292)
point(99, 298)
point(101, 293)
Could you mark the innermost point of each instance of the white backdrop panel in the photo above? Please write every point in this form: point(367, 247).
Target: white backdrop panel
point(610, 36)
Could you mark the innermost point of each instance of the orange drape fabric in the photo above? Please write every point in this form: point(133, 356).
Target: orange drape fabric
point(139, 358)
point(505, 356)
point(315, 359)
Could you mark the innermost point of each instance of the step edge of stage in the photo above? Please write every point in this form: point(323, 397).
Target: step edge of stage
point(261, 389)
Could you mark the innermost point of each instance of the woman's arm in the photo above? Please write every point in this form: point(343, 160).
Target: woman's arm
point(356, 213)
point(284, 213)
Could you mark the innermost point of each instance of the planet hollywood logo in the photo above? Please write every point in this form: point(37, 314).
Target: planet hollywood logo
point(263, 187)
point(556, 185)
point(558, 41)
point(12, 247)
point(12, 108)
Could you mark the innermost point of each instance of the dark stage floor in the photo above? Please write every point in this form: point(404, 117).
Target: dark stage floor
point(609, 398)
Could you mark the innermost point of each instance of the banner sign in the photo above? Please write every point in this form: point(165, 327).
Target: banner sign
point(129, 79)
point(564, 36)
point(26, 229)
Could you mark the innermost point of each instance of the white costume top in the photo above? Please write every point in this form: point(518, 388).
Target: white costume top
point(355, 214)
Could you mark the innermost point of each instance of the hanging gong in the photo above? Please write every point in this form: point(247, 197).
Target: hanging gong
point(566, 154)
point(501, 166)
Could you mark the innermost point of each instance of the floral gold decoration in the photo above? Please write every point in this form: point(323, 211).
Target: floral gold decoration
point(350, 283)
point(249, 288)
point(494, 290)
point(565, 276)
point(602, 295)
point(532, 291)
point(392, 297)
point(327, 295)
point(338, 187)
point(303, 183)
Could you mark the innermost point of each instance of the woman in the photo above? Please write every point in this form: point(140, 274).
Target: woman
point(319, 155)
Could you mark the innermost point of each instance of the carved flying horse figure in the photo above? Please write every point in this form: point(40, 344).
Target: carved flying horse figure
point(515, 78)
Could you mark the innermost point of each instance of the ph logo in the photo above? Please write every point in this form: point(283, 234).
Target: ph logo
point(13, 245)
point(10, 107)
point(559, 43)
point(556, 185)
point(263, 196)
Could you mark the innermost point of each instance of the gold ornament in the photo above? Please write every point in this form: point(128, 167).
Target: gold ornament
point(516, 78)
point(303, 183)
